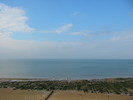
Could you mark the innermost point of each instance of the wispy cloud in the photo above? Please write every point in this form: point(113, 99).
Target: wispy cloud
point(91, 50)
point(12, 19)
point(81, 33)
point(75, 13)
point(122, 36)
point(59, 30)
point(65, 30)
point(87, 33)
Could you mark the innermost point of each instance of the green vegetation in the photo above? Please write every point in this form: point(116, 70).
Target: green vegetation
point(118, 86)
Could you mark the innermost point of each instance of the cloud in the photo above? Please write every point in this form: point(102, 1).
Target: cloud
point(75, 13)
point(114, 36)
point(87, 33)
point(122, 36)
point(4, 34)
point(59, 30)
point(113, 39)
point(10, 48)
point(64, 30)
point(81, 33)
point(12, 19)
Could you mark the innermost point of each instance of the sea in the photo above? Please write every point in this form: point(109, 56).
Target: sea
point(66, 68)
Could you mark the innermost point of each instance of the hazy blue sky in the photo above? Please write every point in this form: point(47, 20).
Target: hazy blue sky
point(78, 29)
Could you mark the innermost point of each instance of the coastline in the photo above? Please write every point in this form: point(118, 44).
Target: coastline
point(57, 79)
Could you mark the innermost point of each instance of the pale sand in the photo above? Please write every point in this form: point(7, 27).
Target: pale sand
point(9, 94)
point(75, 95)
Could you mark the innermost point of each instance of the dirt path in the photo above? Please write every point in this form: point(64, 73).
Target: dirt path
point(49, 95)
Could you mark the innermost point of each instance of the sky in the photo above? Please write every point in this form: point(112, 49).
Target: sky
point(66, 29)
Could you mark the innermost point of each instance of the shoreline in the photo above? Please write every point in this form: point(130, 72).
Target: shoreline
point(67, 79)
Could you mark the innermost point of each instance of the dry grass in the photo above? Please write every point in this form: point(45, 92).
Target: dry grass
point(75, 95)
point(9, 94)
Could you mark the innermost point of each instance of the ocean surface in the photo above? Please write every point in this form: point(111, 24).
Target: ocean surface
point(63, 69)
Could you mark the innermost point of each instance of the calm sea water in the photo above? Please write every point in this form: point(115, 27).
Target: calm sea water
point(61, 69)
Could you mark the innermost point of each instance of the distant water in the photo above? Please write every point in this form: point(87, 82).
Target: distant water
point(61, 69)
